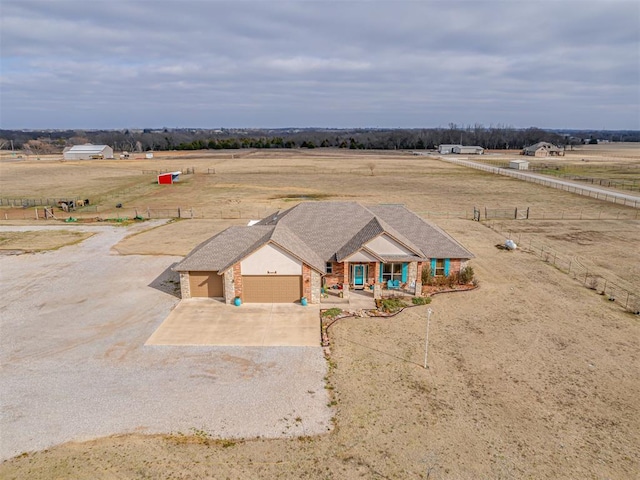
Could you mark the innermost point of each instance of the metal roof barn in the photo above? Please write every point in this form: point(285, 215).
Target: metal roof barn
point(87, 152)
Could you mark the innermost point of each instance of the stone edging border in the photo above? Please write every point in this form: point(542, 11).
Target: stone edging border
point(324, 327)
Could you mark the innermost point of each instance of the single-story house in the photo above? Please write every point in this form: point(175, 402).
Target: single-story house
point(294, 253)
point(543, 149)
point(468, 149)
point(519, 165)
point(445, 149)
point(87, 152)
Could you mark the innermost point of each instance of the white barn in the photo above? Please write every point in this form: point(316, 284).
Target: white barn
point(468, 150)
point(87, 152)
point(446, 148)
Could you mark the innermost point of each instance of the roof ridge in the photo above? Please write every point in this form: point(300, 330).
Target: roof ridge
point(355, 243)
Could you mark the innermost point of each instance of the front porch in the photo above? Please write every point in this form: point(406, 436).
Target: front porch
point(360, 299)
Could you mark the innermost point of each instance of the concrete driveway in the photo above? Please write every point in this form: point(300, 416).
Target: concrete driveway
point(74, 364)
point(204, 321)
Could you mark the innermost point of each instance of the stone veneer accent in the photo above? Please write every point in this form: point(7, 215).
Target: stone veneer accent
point(377, 286)
point(237, 280)
point(185, 289)
point(345, 279)
point(316, 284)
point(418, 290)
point(306, 282)
point(229, 288)
point(412, 273)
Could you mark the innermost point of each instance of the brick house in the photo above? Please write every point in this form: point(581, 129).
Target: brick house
point(293, 253)
point(543, 149)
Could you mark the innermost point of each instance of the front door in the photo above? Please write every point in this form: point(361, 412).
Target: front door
point(359, 276)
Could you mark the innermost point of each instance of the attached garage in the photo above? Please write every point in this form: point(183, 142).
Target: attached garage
point(271, 288)
point(205, 284)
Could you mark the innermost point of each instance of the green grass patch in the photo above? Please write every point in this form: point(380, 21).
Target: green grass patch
point(331, 313)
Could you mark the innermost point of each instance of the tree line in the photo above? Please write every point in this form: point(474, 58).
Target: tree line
point(493, 138)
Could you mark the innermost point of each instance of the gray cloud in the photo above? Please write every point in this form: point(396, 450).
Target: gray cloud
point(98, 64)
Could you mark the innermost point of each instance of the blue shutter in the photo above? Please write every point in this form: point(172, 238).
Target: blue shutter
point(446, 267)
point(404, 272)
point(381, 268)
point(433, 267)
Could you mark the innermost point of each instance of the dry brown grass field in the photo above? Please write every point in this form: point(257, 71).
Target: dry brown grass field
point(36, 241)
point(531, 376)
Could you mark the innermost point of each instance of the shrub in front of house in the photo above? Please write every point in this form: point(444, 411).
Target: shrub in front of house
point(391, 305)
point(421, 300)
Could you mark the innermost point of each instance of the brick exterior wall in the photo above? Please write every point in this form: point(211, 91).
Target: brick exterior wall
point(185, 288)
point(454, 265)
point(336, 277)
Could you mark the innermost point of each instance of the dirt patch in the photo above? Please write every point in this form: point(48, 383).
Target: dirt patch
point(36, 241)
point(176, 238)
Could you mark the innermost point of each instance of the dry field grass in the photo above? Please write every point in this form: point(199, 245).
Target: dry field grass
point(36, 241)
point(531, 376)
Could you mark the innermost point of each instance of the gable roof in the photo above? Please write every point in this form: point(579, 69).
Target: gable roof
point(432, 241)
point(546, 145)
point(320, 232)
point(87, 148)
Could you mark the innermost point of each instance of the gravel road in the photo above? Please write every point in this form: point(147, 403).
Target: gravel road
point(73, 365)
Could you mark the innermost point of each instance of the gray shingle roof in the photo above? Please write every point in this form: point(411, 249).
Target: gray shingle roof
point(432, 241)
point(220, 251)
point(546, 145)
point(320, 232)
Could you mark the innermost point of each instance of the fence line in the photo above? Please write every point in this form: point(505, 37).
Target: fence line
point(573, 266)
point(612, 197)
point(556, 170)
point(183, 171)
point(529, 213)
point(93, 211)
point(35, 202)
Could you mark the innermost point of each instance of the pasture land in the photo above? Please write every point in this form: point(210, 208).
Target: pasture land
point(36, 241)
point(531, 376)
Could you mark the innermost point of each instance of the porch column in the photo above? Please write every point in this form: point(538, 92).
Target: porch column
point(418, 290)
point(345, 280)
point(377, 286)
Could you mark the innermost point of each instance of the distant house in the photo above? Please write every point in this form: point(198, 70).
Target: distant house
point(292, 253)
point(87, 152)
point(543, 149)
point(445, 149)
point(519, 165)
point(468, 150)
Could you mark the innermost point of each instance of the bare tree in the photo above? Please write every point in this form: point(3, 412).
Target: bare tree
point(372, 167)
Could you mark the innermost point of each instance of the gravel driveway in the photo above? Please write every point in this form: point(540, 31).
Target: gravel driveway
point(74, 365)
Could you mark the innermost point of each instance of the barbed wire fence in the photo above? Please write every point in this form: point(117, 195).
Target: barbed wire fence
point(573, 266)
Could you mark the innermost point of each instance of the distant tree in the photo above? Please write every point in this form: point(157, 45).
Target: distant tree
point(372, 167)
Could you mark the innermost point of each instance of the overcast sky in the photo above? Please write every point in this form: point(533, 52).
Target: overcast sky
point(88, 64)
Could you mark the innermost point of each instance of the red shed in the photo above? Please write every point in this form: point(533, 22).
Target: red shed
point(168, 178)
